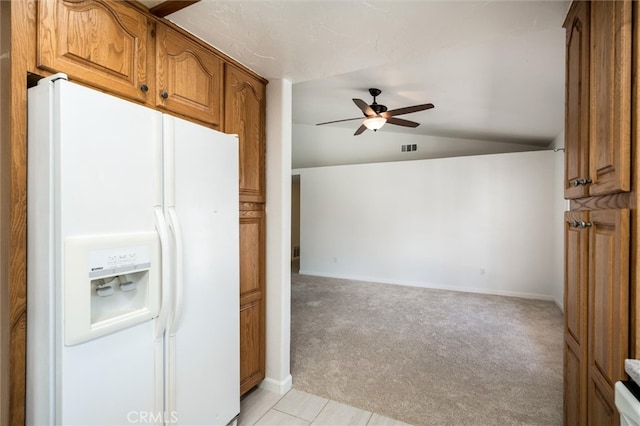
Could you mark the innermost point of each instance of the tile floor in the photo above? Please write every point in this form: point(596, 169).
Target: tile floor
point(265, 408)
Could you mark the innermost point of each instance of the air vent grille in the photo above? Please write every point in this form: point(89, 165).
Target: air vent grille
point(409, 148)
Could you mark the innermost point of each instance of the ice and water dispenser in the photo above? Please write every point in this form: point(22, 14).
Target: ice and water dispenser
point(111, 282)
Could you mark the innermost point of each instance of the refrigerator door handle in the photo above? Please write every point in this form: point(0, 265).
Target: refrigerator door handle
point(161, 321)
point(174, 225)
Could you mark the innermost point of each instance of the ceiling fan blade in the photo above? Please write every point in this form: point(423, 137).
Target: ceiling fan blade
point(401, 122)
point(338, 121)
point(407, 110)
point(361, 129)
point(364, 107)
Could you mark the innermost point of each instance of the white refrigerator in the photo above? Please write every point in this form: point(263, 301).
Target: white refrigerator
point(133, 274)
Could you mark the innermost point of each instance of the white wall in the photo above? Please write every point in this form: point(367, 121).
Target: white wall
point(478, 223)
point(560, 206)
point(278, 250)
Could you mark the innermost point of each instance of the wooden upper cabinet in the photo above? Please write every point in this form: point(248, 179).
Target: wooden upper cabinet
point(244, 116)
point(576, 135)
point(188, 77)
point(100, 43)
point(598, 98)
point(610, 97)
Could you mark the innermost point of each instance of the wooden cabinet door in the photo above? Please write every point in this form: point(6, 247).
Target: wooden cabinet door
point(244, 116)
point(100, 43)
point(602, 410)
point(576, 136)
point(575, 318)
point(252, 297)
point(188, 77)
point(608, 310)
point(610, 97)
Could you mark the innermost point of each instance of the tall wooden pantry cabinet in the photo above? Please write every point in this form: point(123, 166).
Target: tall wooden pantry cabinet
point(245, 116)
point(601, 164)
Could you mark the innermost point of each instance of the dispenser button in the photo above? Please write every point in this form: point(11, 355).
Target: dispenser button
point(128, 286)
point(104, 290)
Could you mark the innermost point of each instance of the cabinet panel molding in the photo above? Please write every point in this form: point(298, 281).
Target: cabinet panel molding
point(575, 393)
point(596, 325)
point(252, 299)
point(602, 410)
point(251, 360)
point(576, 237)
point(245, 105)
point(251, 236)
point(575, 290)
point(576, 136)
point(188, 77)
point(610, 97)
point(100, 43)
point(608, 307)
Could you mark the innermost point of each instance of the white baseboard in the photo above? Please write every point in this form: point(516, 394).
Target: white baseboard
point(495, 292)
point(278, 386)
point(560, 305)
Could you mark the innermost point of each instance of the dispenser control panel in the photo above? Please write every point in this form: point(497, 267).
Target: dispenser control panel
point(119, 260)
point(111, 282)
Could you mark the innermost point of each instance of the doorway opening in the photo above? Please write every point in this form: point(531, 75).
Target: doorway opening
point(295, 224)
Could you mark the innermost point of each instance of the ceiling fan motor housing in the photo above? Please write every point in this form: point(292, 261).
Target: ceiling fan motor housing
point(377, 108)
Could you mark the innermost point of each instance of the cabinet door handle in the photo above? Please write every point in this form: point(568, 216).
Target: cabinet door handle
point(164, 95)
point(580, 224)
point(581, 181)
point(144, 88)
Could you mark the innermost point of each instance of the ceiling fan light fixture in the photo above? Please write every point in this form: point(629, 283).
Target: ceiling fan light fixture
point(376, 115)
point(374, 123)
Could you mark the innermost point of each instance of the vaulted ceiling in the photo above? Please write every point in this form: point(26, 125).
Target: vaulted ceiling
point(493, 69)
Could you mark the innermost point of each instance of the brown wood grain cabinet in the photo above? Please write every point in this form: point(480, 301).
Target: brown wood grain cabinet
point(576, 241)
point(103, 44)
point(576, 132)
point(610, 97)
point(599, 180)
point(596, 329)
point(608, 310)
point(245, 116)
point(598, 98)
point(252, 296)
point(188, 77)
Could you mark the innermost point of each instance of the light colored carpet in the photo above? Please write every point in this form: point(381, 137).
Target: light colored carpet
point(427, 357)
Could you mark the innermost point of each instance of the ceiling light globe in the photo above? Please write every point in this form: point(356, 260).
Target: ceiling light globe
point(374, 123)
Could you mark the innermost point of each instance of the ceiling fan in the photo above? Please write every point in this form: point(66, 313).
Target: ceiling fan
point(376, 115)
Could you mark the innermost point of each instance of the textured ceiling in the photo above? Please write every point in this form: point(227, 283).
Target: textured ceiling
point(494, 70)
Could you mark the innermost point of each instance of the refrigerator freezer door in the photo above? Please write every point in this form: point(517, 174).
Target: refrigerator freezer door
point(103, 178)
point(204, 369)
